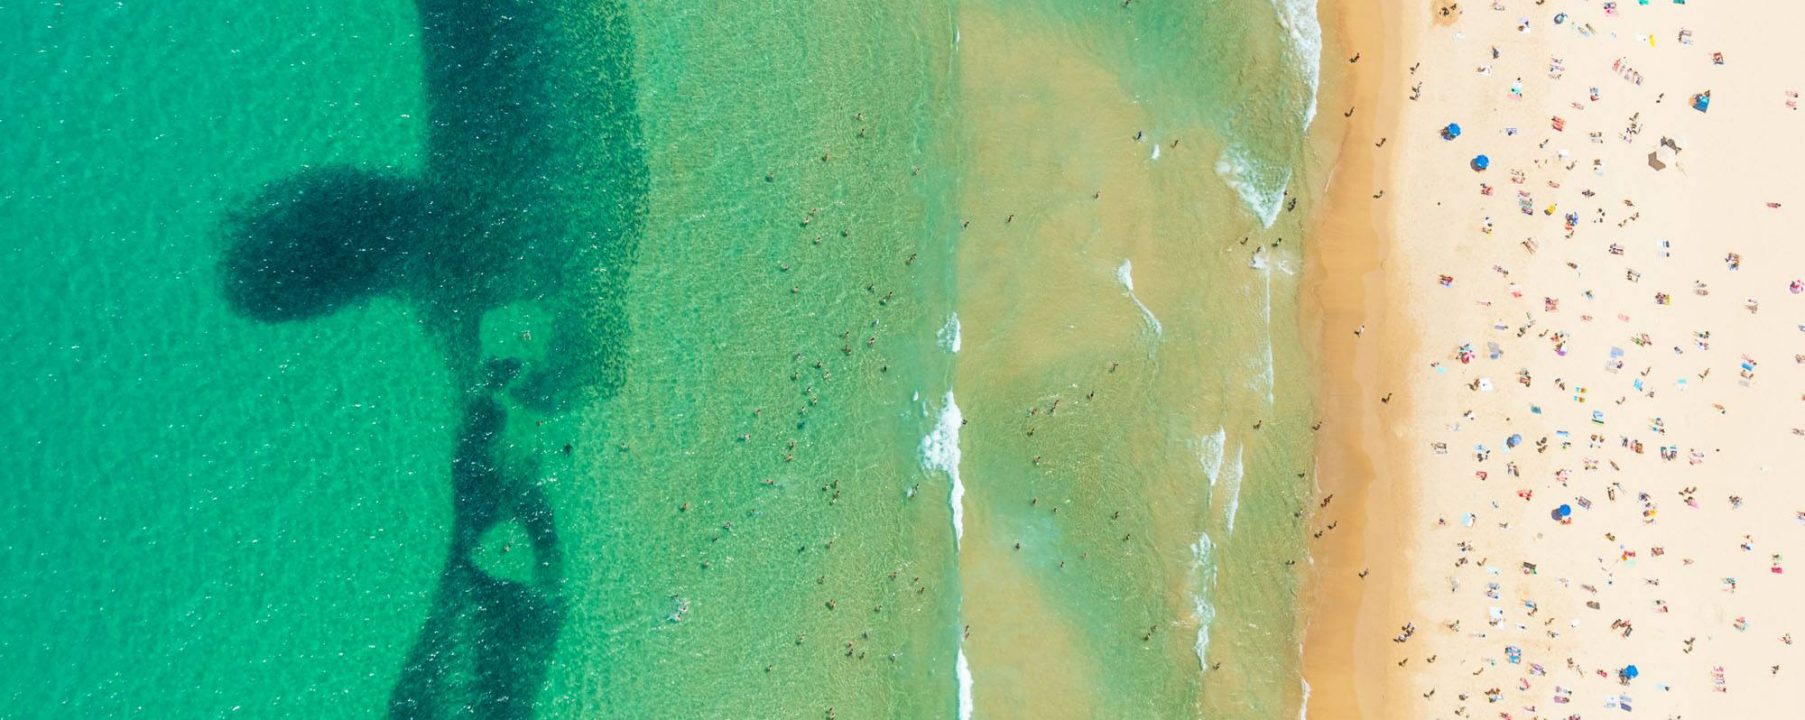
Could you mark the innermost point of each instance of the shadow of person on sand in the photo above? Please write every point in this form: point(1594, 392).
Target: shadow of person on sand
point(530, 199)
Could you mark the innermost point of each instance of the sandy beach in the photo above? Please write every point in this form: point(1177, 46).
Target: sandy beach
point(1564, 390)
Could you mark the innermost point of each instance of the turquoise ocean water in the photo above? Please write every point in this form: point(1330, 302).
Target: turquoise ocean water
point(554, 359)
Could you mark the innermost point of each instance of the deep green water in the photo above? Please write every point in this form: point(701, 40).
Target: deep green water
point(369, 359)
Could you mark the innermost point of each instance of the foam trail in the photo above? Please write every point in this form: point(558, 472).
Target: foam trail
point(964, 670)
point(1125, 275)
point(1298, 17)
point(950, 337)
point(1233, 477)
point(1270, 380)
point(1264, 364)
point(1204, 563)
point(1211, 454)
point(1261, 189)
point(940, 451)
point(1303, 710)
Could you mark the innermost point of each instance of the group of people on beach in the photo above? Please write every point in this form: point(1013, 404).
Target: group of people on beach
point(1610, 529)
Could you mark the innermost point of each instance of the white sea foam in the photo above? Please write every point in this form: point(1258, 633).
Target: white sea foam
point(950, 339)
point(1303, 709)
point(1125, 275)
point(1231, 477)
point(940, 451)
point(1260, 185)
point(1261, 188)
point(1262, 380)
point(1155, 151)
point(1298, 17)
point(1267, 373)
point(1203, 562)
point(1211, 454)
point(964, 670)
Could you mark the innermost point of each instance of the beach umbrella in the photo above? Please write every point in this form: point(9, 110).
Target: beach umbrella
point(1702, 101)
point(1630, 672)
point(1451, 131)
point(1564, 510)
point(1481, 162)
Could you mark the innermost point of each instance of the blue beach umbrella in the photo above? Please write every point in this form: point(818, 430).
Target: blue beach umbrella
point(1564, 511)
point(1481, 162)
point(1630, 671)
point(1451, 131)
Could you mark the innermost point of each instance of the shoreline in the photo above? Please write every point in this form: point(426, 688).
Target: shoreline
point(1345, 288)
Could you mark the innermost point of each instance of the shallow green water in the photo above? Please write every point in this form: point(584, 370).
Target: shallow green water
point(1171, 462)
point(719, 241)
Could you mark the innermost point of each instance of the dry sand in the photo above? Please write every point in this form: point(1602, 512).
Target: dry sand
point(1594, 333)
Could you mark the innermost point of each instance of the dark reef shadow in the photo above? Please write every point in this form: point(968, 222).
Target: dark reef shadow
point(532, 194)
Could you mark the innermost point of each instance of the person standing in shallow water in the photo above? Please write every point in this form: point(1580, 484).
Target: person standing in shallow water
point(504, 213)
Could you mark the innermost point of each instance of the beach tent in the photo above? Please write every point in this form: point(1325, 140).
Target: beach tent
point(1451, 131)
point(1702, 101)
point(1655, 161)
point(1481, 162)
